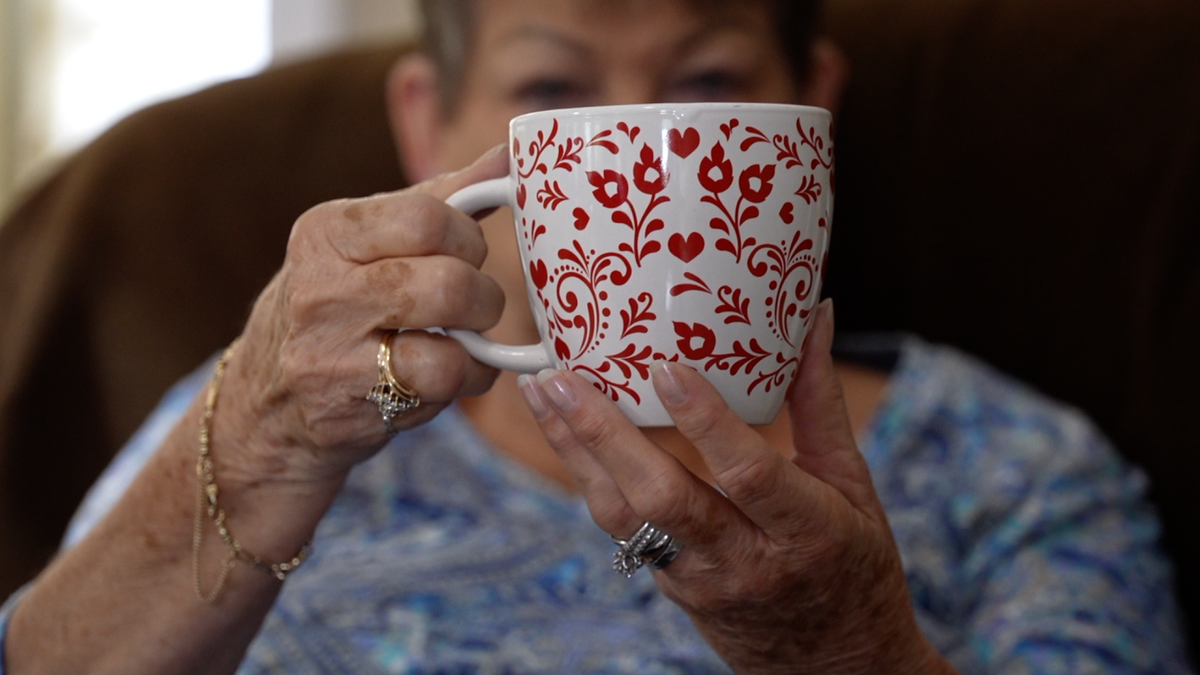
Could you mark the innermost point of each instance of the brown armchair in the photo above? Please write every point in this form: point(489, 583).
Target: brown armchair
point(1020, 178)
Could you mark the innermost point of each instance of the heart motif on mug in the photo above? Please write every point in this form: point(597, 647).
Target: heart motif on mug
point(683, 144)
point(686, 249)
point(521, 196)
point(785, 213)
point(581, 218)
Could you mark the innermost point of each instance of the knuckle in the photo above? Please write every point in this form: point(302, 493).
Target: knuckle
point(425, 226)
point(421, 237)
point(324, 212)
point(594, 431)
point(610, 511)
point(492, 301)
point(481, 379)
point(559, 436)
point(303, 303)
point(704, 419)
point(751, 481)
point(472, 248)
point(305, 229)
point(664, 500)
point(389, 274)
point(434, 365)
point(454, 291)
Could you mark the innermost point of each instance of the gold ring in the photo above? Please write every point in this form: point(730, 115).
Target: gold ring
point(393, 397)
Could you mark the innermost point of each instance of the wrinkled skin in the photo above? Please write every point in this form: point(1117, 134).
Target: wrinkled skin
point(355, 268)
point(289, 424)
point(791, 570)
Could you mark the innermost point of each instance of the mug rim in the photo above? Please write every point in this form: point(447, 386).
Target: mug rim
point(680, 109)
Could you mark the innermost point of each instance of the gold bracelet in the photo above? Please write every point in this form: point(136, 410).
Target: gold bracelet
point(208, 496)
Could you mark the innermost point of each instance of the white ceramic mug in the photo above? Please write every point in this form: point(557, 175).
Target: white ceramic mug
point(693, 232)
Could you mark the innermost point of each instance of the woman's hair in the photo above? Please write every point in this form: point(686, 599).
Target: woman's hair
point(447, 33)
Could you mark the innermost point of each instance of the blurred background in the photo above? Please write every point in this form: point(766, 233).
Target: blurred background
point(71, 68)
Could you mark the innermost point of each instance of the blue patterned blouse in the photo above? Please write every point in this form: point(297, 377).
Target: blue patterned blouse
point(1027, 544)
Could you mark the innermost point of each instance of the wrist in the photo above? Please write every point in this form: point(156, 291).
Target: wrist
point(271, 502)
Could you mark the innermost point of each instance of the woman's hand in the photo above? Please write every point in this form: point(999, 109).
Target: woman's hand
point(793, 569)
point(291, 420)
point(295, 391)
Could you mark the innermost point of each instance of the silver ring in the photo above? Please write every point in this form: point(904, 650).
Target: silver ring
point(648, 546)
point(662, 558)
point(393, 397)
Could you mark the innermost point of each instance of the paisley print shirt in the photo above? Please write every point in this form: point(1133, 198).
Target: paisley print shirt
point(1026, 541)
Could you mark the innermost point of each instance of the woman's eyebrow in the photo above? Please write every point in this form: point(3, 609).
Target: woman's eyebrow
point(539, 33)
point(725, 25)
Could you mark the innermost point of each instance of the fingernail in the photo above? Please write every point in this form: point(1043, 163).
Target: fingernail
point(533, 396)
point(557, 390)
point(666, 381)
point(828, 303)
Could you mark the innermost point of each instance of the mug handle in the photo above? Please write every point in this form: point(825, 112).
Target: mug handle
point(522, 359)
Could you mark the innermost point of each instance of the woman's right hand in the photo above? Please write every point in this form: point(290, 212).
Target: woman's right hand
point(294, 396)
point(290, 420)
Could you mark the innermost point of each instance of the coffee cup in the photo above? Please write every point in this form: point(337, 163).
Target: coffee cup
point(690, 232)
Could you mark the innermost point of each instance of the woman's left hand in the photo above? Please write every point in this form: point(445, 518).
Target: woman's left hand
point(793, 569)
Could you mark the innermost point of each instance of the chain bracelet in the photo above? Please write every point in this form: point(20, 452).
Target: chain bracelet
point(206, 502)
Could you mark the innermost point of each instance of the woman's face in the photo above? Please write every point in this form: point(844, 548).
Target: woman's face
point(529, 55)
point(538, 54)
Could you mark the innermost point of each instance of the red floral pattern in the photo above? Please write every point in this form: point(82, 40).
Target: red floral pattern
point(688, 334)
point(551, 195)
point(754, 186)
point(598, 327)
point(733, 304)
point(755, 182)
point(786, 262)
point(716, 161)
point(657, 181)
point(634, 319)
point(579, 296)
point(743, 358)
point(602, 183)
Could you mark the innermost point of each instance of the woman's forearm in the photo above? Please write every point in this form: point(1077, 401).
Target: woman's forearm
point(123, 599)
point(290, 423)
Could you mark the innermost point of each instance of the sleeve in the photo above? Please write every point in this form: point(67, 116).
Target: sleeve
point(1063, 557)
point(120, 473)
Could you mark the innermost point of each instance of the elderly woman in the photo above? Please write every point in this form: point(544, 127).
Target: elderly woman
point(1016, 543)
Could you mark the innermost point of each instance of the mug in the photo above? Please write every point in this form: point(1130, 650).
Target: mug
point(689, 232)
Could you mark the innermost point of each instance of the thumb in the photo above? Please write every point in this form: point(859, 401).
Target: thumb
point(491, 164)
point(821, 430)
